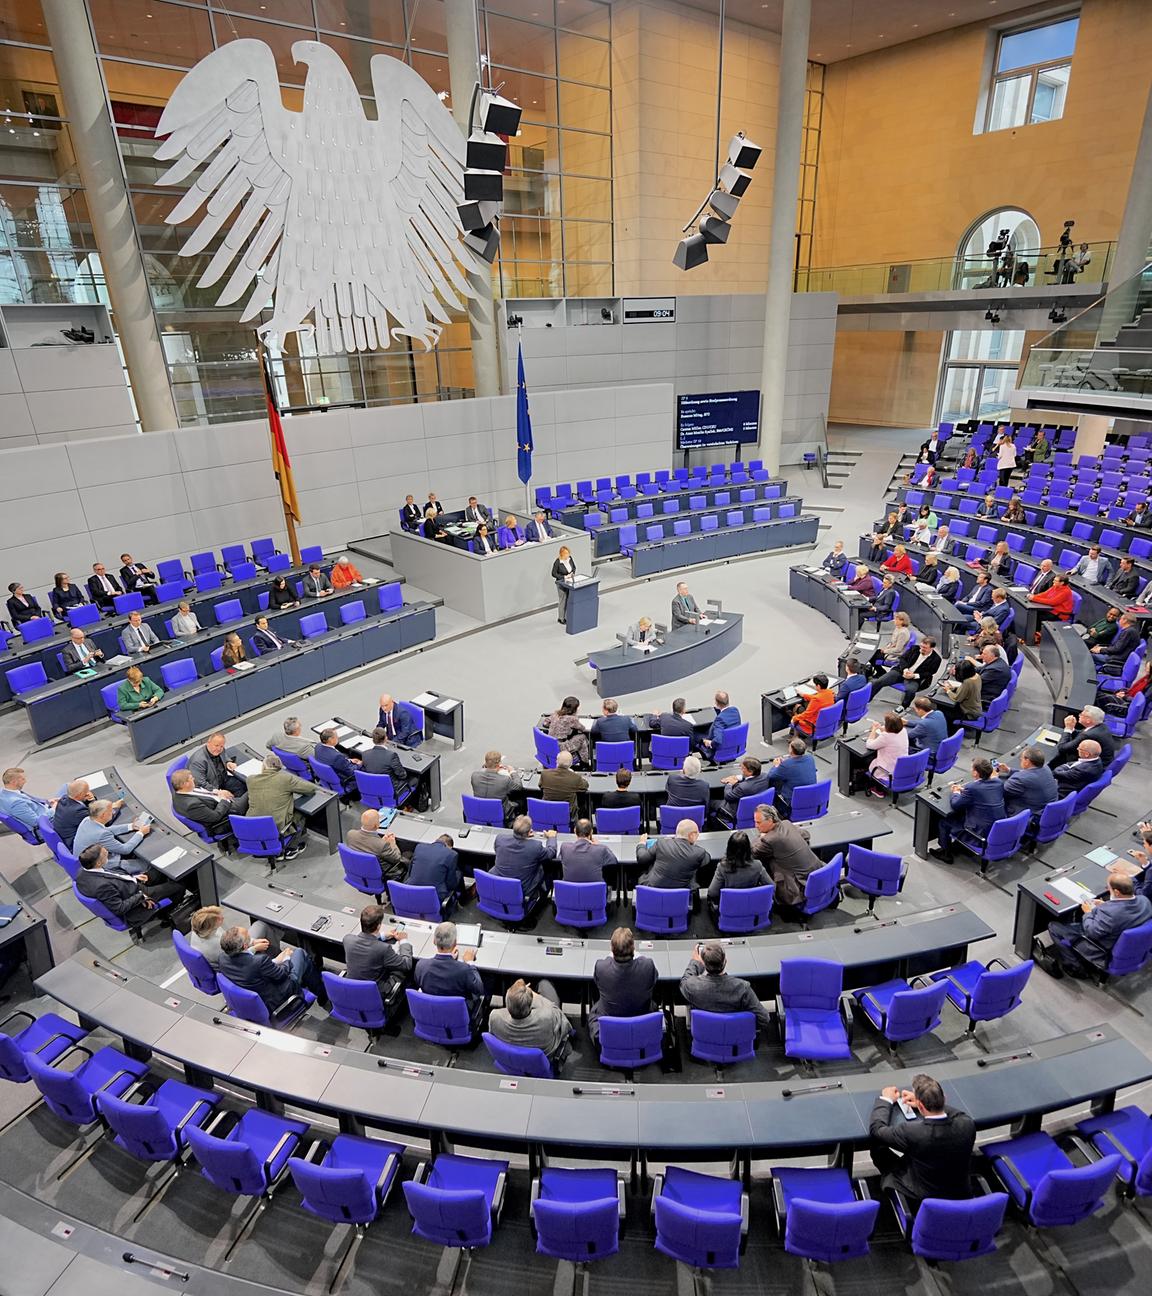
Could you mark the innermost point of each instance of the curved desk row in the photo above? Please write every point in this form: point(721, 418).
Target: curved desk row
point(437, 1102)
point(650, 557)
point(843, 606)
point(771, 488)
point(66, 704)
point(606, 537)
point(685, 650)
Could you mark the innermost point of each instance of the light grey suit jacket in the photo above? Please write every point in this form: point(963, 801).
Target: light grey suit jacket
point(136, 637)
point(296, 745)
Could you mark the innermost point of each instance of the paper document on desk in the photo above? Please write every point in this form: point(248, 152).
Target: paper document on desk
point(789, 693)
point(328, 724)
point(250, 767)
point(446, 704)
point(242, 665)
point(424, 699)
point(1049, 737)
point(95, 781)
point(691, 719)
point(359, 743)
point(1102, 856)
point(644, 647)
point(170, 857)
point(1073, 890)
point(1017, 589)
point(586, 723)
point(718, 621)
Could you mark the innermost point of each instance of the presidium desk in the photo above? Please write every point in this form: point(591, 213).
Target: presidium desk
point(685, 650)
point(494, 587)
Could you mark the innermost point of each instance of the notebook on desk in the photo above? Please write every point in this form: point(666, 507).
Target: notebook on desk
point(469, 935)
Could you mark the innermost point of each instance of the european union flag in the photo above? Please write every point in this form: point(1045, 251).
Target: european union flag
point(523, 422)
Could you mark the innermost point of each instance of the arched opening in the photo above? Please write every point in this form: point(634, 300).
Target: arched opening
point(997, 249)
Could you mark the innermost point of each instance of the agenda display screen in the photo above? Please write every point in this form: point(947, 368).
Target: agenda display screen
point(717, 418)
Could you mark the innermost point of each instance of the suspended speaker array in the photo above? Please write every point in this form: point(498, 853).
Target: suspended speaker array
point(490, 129)
point(713, 218)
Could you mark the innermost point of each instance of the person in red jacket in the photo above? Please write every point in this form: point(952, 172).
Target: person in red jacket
point(344, 574)
point(804, 719)
point(1057, 599)
point(898, 561)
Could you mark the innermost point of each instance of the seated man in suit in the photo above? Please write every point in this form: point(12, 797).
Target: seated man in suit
point(624, 983)
point(706, 986)
point(496, 782)
point(383, 849)
point(880, 609)
point(436, 864)
point(22, 606)
point(914, 672)
point(1086, 943)
point(476, 512)
point(126, 896)
point(1090, 723)
point(673, 862)
point(533, 1019)
point(1112, 656)
point(995, 675)
point(672, 724)
point(521, 856)
point(620, 798)
point(208, 926)
point(854, 679)
point(684, 608)
point(450, 972)
point(212, 768)
point(72, 809)
point(974, 806)
point(1032, 786)
point(103, 588)
point(78, 653)
point(369, 956)
point(752, 781)
point(275, 980)
point(927, 1154)
point(926, 727)
point(327, 753)
point(208, 809)
point(999, 609)
point(272, 791)
point(687, 788)
point(585, 859)
point(797, 769)
point(381, 759)
point(268, 641)
point(1126, 581)
point(411, 515)
point(1045, 575)
point(396, 721)
point(18, 804)
point(727, 717)
point(291, 740)
point(120, 841)
point(433, 503)
point(979, 599)
point(138, 636)
point(1071, 776)
point(539, 529)
point(943, 543)
point(1094, 568)
point(138, 577)
point(563, 783)
point(316, 584)
point(611, 726)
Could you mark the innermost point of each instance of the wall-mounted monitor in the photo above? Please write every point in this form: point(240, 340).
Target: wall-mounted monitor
point(717, 418)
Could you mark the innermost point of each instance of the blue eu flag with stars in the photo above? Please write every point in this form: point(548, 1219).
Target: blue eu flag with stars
point(523, 422)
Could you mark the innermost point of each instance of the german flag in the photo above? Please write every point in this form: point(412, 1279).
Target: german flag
point(281, 464)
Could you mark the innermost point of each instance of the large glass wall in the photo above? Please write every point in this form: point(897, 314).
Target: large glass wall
point(552, 56)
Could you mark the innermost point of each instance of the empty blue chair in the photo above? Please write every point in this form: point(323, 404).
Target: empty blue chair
point(624, 820)
point(722, 1038)
point(203, 563)
point(811, 800)
point(1127, 1133)
point(170, 570)
point(378, 792)
point(511, 1059)
point(985, 991)
point(1045, 1186)
point(628, 537)
point(503, 898)
point(257, 835)
point(611, 756)
point(668, 753)
point(277, 564)
point(311, 554)
point(200, 971)
point(820, 1215)
point(943, 1230)
point(550, 814)
point(47, 1037)
point(816, 1017)
point(440, 1019)
point(662, 909)
point(231, 554)
point(180, 673)
point(855, 707)
point(313, 625)
point(362, 871)
point(251, 1158)
point(486, 812)
point(669, 816)
point(420, 902)
point(25, 679)
point(248, 1006)
point(86, 614)
point(242, 571)
point(627, 1043)
point(456, 1201)
point(157, 1128)
point(206, 582)
point(992, 718)
point(1053, 820)
point(733, 744)
point(901, 1012)
point(355, 1003)
point(263, 549)
point(71, 1094)
point(581, 904)
point(874, 873)
point(577, 1213)
point(710, 522)
point(700, 1219)
point(1003, 841)
point(125, 603)
point(746, 909)
point(547, 749)
point(945, 755)
point(294, 764)
point(228, 610)
point(350, 1184)
point(350, 613)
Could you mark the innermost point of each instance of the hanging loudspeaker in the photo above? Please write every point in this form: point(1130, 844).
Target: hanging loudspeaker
point(484, 241)
point(714, 230)
point(724, 205)
point(499, 116)
point(743, 153)
point(483, 186)
point(475, 215)
point(691, 252)
point(487, 152)
point(733, 181)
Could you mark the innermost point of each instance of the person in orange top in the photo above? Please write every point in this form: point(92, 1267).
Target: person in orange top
point(804, 717)
point(1057, 598)
point(344, 575)
point(898, 561)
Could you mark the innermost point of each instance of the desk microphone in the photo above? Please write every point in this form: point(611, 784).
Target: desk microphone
point(812, 1088)
point(1068, 868)
point(888, 922)
point(1004, 1057)
point(165, 1270)
point(248, 1030)
point(103, 967)
point(272, 886)
point(409, 1067)
point(603, 1093)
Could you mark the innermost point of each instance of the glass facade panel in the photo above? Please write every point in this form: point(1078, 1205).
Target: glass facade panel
point(296, 12)
point(587, 199)
point(521, 45)
point(426, 25)
point(151, 30)
point(22, 20)
point(586, 154)
point(588, 280)
point(1038, 45)
point(589, 17)
point(279, 39)
point(28, 84)
point(378, 20)
point(581, 59)
point(587, 241)
point(585, 108)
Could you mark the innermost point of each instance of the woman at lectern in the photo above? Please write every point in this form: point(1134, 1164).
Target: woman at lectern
point(563, 573)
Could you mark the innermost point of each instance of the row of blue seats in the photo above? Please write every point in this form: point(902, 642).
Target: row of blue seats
point(970, 504)
point(604, 489)
point(654, 532)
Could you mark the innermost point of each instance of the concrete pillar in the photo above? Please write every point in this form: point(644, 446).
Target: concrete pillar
point(782, 235)
point(1135, 235)
point(464, 72)
point(110, 209)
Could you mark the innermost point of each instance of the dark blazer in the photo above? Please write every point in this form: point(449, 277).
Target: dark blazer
point(268, 641)
point(671, 725)
point(748, 787)
point(1066, 749)
point(1042, 582)
point(835, 563)
point(368, 958)
point(625, 988)
point(1126, 640)
point(278, 598)
point(61, 600)
point(133, 578)
point(523, 858)
point(925, 668)
point(563, 567)
point(928, 733)
point(209, 812)
point(948, 590)
point(613, 728)
point(383, 760)
point(978, 805)
point(979, 599)
point(1077, 774)
point(117, 892)
point(68, 816)
point(534, 535)
point(399, 725)
point(435, 865)
point(929, 575)
point(937, 1154)
point(749, 875)
point(334, 757)
point(1029, 789)
point(849, 684)
point(994, 678)
point(791, 773)
point(1125, 584)
point(411, 516)
point(562, 785)
point(721, 994)
point(685, 791)
point(671, 862)
point(727, 719)
point(585, 861)
point(883, 601)
point(97, 592)
point(20, 611)
point(72, 662)
point(272, 981)
point(428, 504)
point(444, 975)
point(1106, 923)
point(617, 800)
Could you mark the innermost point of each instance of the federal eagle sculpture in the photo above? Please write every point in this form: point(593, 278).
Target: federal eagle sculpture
point(324, 213)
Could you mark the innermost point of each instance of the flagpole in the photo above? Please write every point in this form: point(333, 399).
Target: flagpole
point(527, 484)
point(289, 520)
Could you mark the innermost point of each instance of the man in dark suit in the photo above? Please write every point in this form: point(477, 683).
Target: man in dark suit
point(411, 515)
point(476, 512)
point(1043, 579)
point(436, 864)
point(611, 726)
point(433, 503)
point(673, 862)
point(685, 610)
point(979, 598)
point(671, 724)
point(585, 859)
point(624, 983)
point(727, 717)
point(797, 769)
point(706, 986)
point(22, 607)
point(450, 972)
point(1126, 581)
point(854, 678)
point(208, 809)
point(102, 588)
point(1087, 942)
point(72, 809)
point(539, 529)
point(275, 980)
point(914, 672)
point(78, 653)
point(562, 783)
point(327, 753)
point(1112, 656)
point(1077, 774)
point(620, 798)
point(138, 577)
point(1032, 786)
point(369, 956)
point(995, 675)
point(1088, 724)
point(381, 759)
point(927, 1153)
point(752, 781)
point(522, 856)
point(687, 788)
point(881, 606)
point(122, 894)
point(975, 807)
point(396, 721)
point(266, 639)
